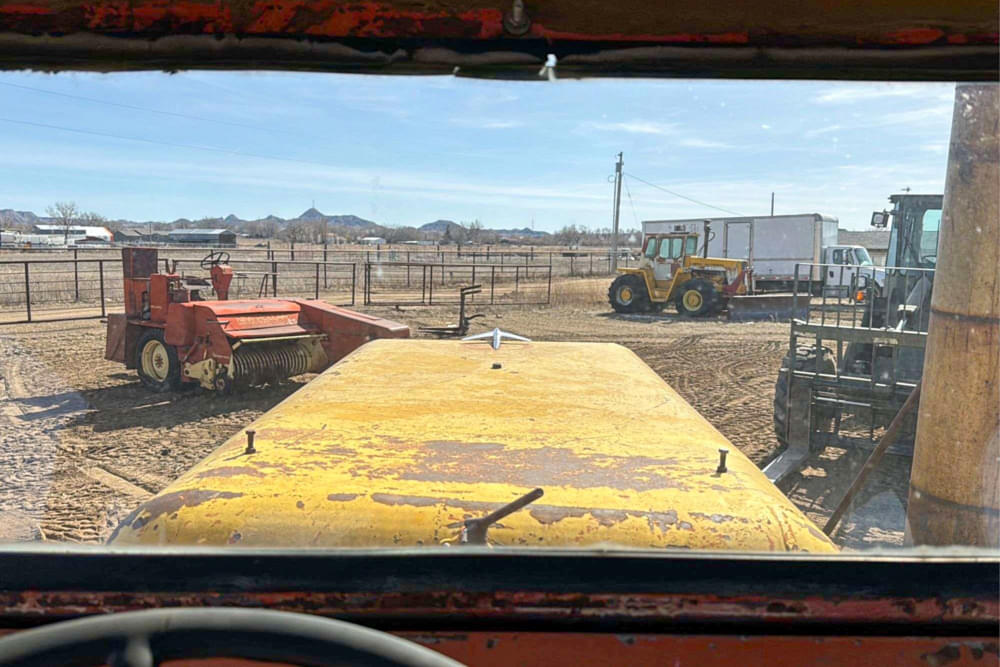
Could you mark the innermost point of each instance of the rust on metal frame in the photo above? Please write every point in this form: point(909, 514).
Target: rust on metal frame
point(894, 23)
point(451, 606)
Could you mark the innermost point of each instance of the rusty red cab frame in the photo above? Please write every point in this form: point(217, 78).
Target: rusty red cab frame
point(531, 607)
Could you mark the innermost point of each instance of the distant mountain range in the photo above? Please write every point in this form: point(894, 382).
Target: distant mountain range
point(271, 224)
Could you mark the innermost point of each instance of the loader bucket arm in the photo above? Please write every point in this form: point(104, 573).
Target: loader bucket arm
point(347, 330)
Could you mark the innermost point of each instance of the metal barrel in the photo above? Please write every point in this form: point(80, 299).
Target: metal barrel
point(954, 495)
point(268, 362)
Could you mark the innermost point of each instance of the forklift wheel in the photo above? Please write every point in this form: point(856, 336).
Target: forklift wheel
point(157, 363)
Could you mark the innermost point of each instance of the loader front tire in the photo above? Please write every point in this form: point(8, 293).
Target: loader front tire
point(697, 298)
point(157, 363)
point(792, 416)
point(627, 294)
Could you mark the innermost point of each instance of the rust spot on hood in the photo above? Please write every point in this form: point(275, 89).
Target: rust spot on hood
point(477, 462)
point(168, 503)
point(230, 471)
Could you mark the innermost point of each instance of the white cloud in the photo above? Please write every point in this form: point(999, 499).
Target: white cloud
point(485, 123)
point(851, 94)
point(634, 127)
point(823, 130)
point(765, 126)
point(694, 142)
point(935, 147)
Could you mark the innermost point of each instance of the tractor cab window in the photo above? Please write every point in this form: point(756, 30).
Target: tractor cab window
point(691, 245)
point(650, 251)
point(838, 256)
point(671, 248)
point(862, 258)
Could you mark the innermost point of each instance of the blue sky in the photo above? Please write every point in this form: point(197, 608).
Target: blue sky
point(409, 150)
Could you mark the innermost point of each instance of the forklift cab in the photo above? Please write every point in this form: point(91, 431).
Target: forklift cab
point(665, 253)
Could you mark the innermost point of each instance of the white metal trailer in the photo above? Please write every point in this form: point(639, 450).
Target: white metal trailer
point(772, 244)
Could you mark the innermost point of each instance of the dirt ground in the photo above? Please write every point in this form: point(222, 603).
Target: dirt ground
point(82, 442)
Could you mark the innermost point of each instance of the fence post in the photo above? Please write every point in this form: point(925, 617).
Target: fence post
point(27, 290)
point(430, 287)
point(76, 276)
point(100, 273)
point(292, 251)
point(407, 268)
point(317, 280)
point(591, 263)
point(423, 284)
point(354, 281)
point(274, 279)
point(493, 280)
point(572, 258)
point(325, 284)
point(268, 251)
point(548, 291)
point(442, 273)
point(473, 273)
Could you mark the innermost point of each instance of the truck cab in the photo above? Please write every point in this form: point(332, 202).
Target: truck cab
point(841, 270)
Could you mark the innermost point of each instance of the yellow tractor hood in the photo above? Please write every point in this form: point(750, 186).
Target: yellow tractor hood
point(403, 440)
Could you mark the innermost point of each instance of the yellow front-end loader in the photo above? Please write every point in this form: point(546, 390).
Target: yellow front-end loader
point(670, 271)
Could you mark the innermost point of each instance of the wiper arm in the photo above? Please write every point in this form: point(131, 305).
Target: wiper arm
point(474, 530)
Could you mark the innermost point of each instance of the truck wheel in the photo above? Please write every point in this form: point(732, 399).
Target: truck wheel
point(627, 294)
point(792, 419)
point(696, 298)
point(157, 363)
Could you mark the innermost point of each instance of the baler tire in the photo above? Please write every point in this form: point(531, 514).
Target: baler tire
point(636, 288)
point(171, 379)
point(708, 298)
point(805, 358)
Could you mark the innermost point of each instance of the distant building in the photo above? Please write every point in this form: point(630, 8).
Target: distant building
point(875, 241)
point(204, 237)
point(76, 233)
point(372, 240)
point(128, 236)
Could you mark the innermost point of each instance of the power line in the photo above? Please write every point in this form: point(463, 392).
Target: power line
point(676, 194)
point(632, 204)
point(212, 149)
point(133, 107)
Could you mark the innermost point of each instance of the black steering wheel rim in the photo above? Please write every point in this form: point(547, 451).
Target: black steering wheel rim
point(215, 258)
point(146, 638)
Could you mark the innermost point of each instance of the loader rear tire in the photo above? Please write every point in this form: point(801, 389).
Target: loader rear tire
point(793, 411)
point(627, 294)
point(157, 363)
point(697, 298)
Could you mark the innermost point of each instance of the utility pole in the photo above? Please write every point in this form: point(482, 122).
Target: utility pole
point(618, 202)
point(772, 204)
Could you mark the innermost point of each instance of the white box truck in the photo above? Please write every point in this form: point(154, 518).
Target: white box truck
point(774, 245)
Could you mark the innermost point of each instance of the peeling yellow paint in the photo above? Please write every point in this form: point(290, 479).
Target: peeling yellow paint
point(402, 440)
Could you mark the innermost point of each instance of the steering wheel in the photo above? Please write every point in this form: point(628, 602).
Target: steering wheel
point(215, 258)
point(147, 638)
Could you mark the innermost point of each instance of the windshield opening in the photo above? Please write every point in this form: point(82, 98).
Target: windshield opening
point(321, 310)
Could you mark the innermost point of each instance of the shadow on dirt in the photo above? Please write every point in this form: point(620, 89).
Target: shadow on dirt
point(666, 317)
point(124, 406)
point(876, 516)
